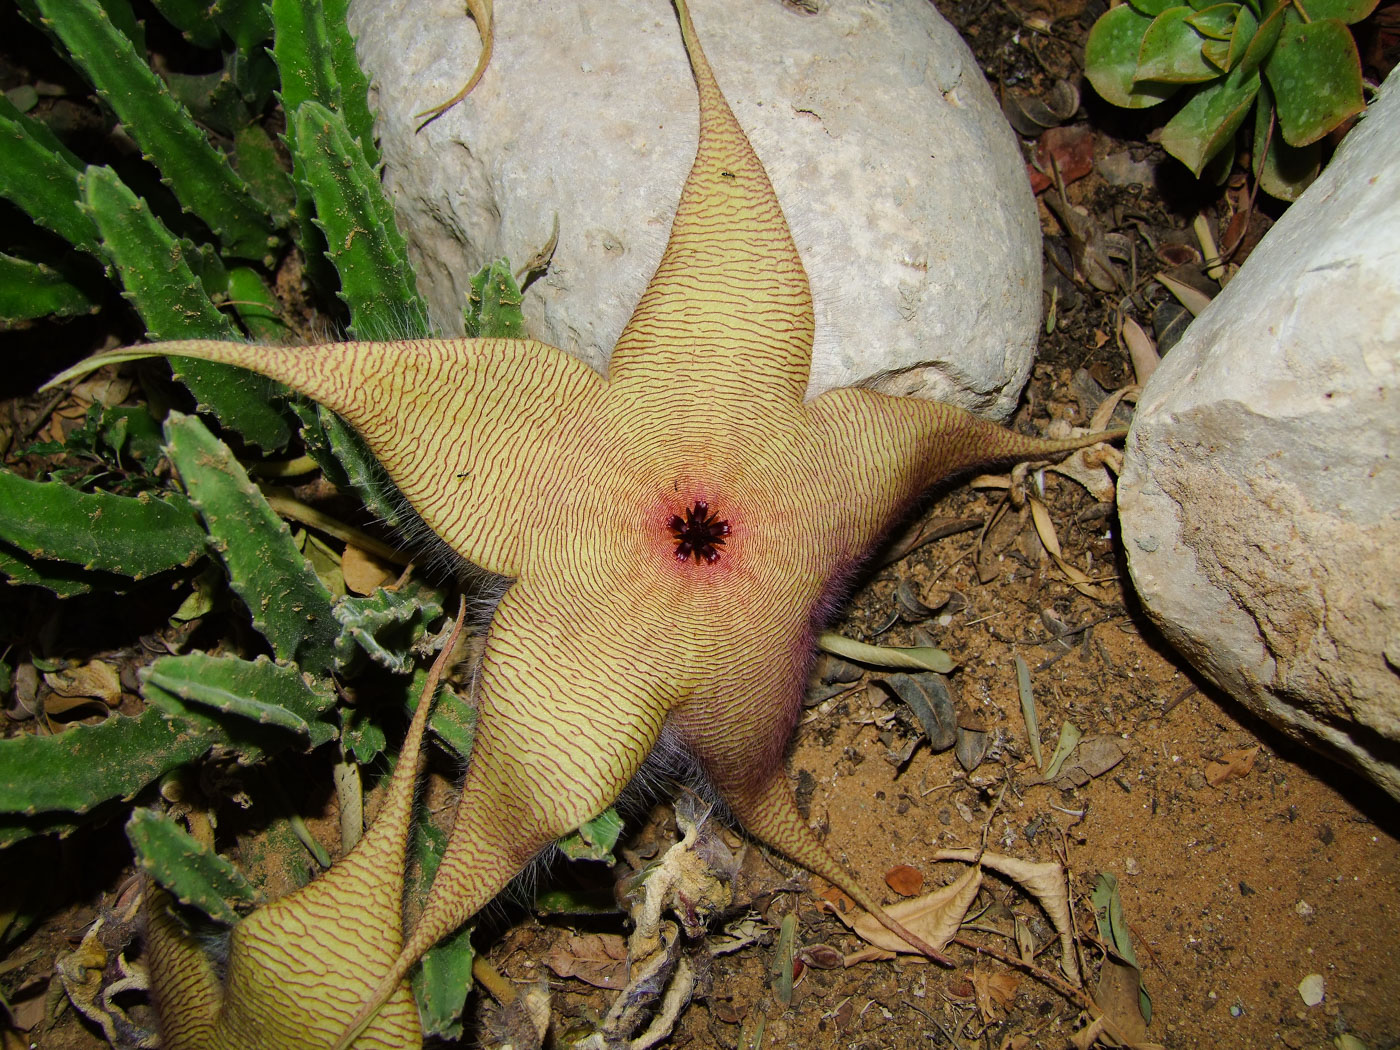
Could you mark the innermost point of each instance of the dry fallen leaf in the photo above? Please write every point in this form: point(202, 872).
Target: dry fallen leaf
point(935, 917)
point(1045, 529)
point(1043, 880)
point(904, 880)
point(1093, 757)
point(995, 992)
point(1117, 996)
point(1233, 765)
point(92, 679)
point(363, 572)
point(599, 959)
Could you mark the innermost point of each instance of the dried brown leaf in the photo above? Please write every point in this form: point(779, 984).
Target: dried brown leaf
point(934, 917)
point(92, 679)
point(363, 572)
point(1191, 298)
point(1094, 757)
point(1142, 350)
point(821, 956)
point(1117, 995)
point(905, 880)
point(1043, 880)
point(995, 993)
point(599, 959)
point(1045, 529)
point(1233, 765)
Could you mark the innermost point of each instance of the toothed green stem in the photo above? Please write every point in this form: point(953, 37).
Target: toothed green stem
point(30, 289)
point(493, 311)
point(376, 280)
point(134, 536)
point(191, 17)
point(263, 692)
point(245, 21)
point(86, 765)
point(199, 176)
point(256, 306)
point(288, 604)
point(386, 625)
point(171, 300)
point(192, 872)
point(40, 176)
point(316, 57)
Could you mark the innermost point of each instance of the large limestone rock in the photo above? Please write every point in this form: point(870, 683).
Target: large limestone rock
point(1260, 506)
point(902, 183)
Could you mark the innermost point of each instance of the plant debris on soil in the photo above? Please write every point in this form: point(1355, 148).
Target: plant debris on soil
point(1259, 883)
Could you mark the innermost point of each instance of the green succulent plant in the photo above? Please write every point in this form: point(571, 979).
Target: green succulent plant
point(196, 253)
point(1292, 63)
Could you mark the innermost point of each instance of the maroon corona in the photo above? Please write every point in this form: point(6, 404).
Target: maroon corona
point(699, 534)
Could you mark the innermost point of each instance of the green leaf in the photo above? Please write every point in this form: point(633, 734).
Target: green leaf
point(376, 280)
point(1111, 60)
point(1113, 929)
point(288, 604)
point(133, 536)
point(1315, 74)
point(1217, 53)
point(1152, 8)
point(158, 280)
point(261, 691)
point(30, 289)
point(198, 174)
point(1028, 709)
point(1216, 22)
point(1258, 46)
point(917, 658)
point(1283, 171)
point(1246, 26)
point(1348, 11)
point(1108, 913)
point(1064, 747)
point(193, 873)
point(1209, 120)
point(594, 839)
point(85, 765)
point(1171, 51)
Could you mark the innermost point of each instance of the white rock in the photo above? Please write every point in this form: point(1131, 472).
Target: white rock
point(901, 181)
point(1260, 506)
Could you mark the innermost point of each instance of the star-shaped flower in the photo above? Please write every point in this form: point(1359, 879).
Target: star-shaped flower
point(675, 532)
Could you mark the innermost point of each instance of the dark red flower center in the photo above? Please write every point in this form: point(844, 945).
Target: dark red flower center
point(699, 534)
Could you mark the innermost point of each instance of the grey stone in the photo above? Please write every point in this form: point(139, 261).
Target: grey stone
point(1260, 504)
point(902, 183)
